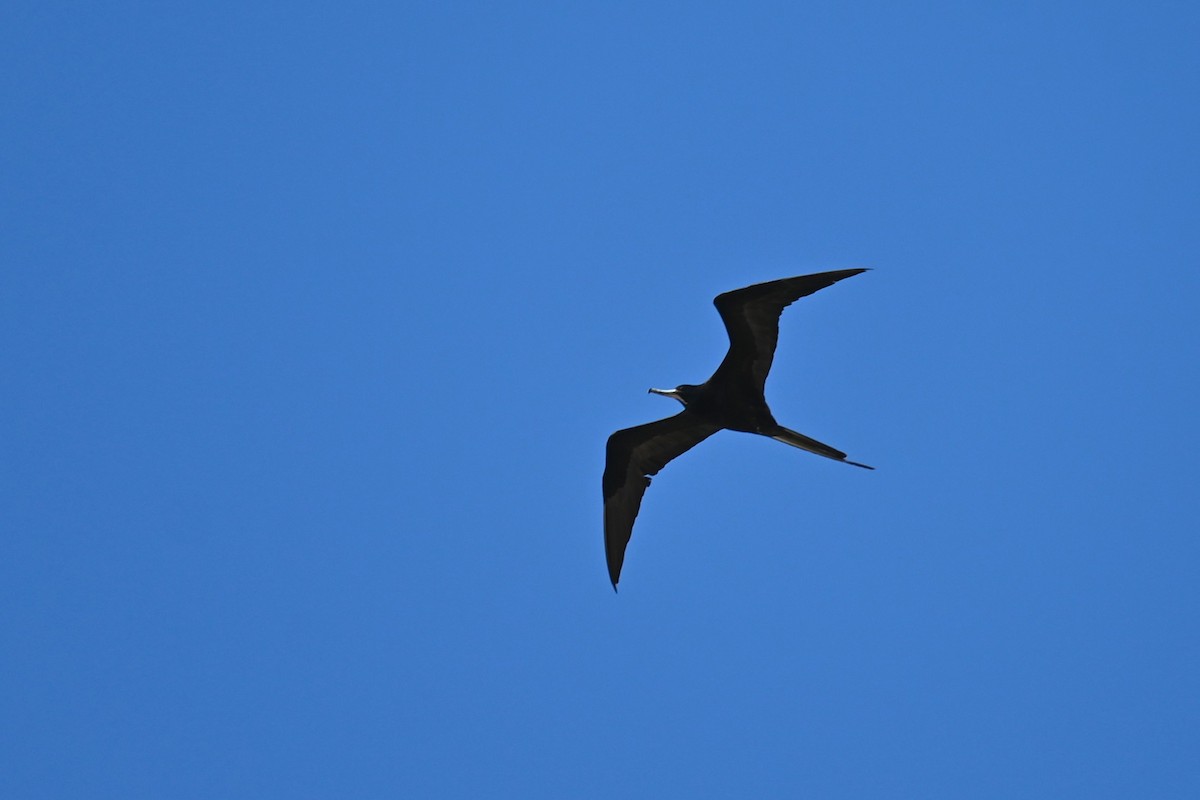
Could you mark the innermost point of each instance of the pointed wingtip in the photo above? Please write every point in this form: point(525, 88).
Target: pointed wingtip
point(614, 587)
point(856, 464)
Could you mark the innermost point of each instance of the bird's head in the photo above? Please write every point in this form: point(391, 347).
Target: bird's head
point(683, 393)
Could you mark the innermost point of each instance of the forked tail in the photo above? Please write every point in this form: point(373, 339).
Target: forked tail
point(788, 436)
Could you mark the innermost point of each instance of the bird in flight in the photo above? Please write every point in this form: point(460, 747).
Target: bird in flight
point(731, 399)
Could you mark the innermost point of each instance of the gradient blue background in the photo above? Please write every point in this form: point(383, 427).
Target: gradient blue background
point(316, 317)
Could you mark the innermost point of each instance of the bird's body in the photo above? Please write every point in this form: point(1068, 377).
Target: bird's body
point(732, 399)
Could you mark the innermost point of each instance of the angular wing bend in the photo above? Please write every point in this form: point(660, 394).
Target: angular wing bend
point(751, 317)
point(634, 454)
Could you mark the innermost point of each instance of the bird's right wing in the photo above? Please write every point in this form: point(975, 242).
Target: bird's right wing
point(632, 456)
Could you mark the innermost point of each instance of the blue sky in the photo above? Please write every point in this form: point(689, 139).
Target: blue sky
point(316, 317)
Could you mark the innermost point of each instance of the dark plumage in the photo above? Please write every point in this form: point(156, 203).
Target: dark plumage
point(731, 399)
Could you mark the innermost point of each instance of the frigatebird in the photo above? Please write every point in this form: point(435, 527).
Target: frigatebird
point(732, 399)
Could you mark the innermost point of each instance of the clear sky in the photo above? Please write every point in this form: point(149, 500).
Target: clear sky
point(315, 318)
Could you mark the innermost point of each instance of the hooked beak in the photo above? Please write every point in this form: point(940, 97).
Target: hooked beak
point(668, 393)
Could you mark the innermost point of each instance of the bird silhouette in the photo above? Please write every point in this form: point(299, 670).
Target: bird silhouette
point(732, 399)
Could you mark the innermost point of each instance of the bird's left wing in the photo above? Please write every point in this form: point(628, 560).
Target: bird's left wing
point(632, 456)
point(751, 317)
